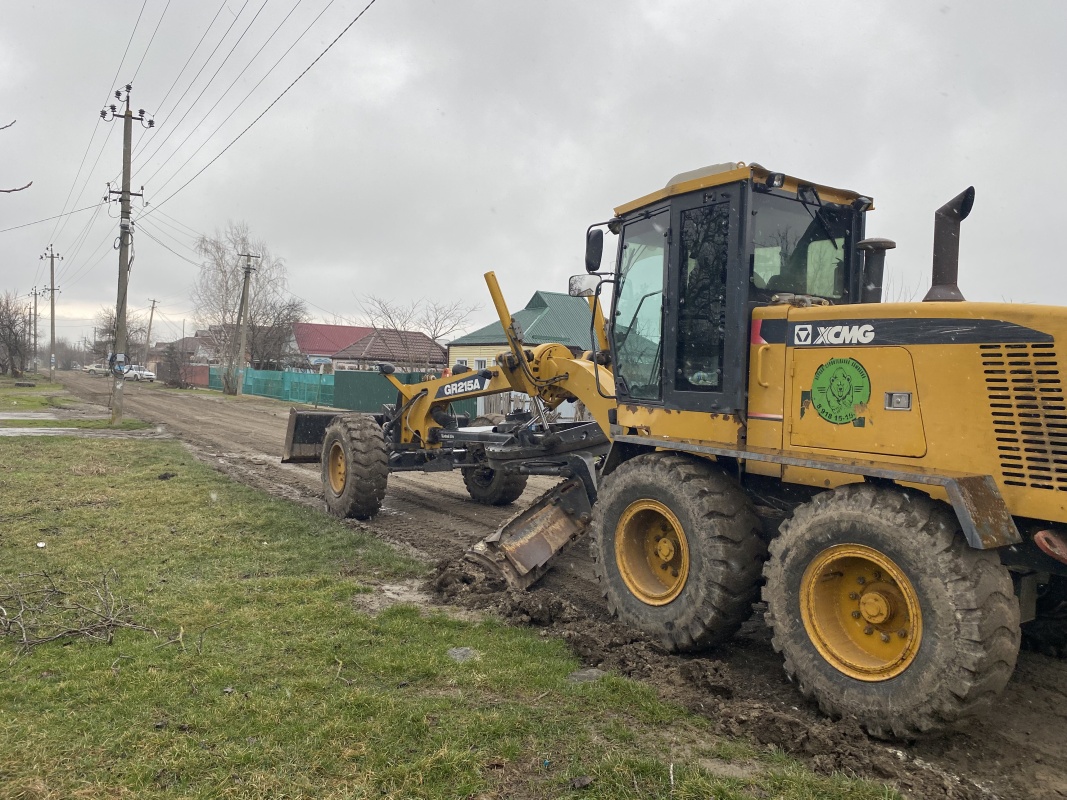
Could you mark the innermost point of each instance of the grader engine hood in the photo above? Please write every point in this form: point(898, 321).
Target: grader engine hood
point(949, 386)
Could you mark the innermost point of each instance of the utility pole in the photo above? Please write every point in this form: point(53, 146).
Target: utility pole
point(148, 342)
point(242, 320)
point(51, 255)
point(119, 356)
point(35, 294)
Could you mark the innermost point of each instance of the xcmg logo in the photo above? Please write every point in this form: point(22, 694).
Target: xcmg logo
point(833, 334)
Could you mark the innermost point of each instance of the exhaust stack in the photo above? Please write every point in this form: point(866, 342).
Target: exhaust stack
point(947, 221)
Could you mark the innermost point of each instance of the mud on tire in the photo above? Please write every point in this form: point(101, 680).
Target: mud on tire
point(712, 594)
point(493, 487)
point(488, 486)
point(969, 635)
point(355, 466)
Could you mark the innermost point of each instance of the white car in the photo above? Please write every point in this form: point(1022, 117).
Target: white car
point(139, 373)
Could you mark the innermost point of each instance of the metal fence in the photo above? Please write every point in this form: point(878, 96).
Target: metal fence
point(357, 391)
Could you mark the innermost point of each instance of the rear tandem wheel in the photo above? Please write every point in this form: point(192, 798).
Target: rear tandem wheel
point(884, 613)
point(355, 466)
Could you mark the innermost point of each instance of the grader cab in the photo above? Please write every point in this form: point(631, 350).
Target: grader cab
point(891, 475)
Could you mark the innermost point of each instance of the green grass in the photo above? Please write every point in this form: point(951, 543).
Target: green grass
point(267, 680)
point(89, 424)
point(41, 397)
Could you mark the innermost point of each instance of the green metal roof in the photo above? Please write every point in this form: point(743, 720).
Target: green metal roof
point(548, 317)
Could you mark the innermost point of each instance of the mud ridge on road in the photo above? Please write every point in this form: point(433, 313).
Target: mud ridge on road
point(1017, 749)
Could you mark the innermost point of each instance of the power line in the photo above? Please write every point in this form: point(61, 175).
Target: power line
point(213, 76)
point(152, 39)
point(49, 219)
point(268, 108)
point(97, 126)
point(233, 83)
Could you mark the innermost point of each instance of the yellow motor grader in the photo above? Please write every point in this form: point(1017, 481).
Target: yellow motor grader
point(910, 458)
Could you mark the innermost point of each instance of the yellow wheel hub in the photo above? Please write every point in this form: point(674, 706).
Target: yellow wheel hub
point(652, 552)
point(337, 468)
point(861, 612)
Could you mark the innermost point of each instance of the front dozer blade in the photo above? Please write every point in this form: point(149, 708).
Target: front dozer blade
point(522, 548)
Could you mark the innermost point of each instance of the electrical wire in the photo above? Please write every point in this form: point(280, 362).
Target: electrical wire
point(96, 127)
point(152, 39)
point(49, 219)
point(264, 112)
point(173, 128)
point(233, 83)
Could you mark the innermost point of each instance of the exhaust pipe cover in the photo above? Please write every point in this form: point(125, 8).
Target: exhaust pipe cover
point(946, 266)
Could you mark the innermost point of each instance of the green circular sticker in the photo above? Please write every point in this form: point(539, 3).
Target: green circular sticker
point(838, 388)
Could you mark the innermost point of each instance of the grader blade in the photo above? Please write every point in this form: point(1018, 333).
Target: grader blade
point(520, 551)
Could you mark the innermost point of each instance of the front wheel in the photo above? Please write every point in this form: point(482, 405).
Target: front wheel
point(884, 613)
point(676, 549)
point(355, 466)
point(494, 487)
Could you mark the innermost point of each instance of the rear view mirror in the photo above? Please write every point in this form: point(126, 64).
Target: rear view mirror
point(594, 249)
point(583, 285)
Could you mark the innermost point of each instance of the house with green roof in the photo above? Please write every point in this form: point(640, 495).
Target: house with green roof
point(548, 317)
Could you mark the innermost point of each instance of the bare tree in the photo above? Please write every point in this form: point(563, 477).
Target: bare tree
point(28, 185)
point(136, 332)
point(217, 297)
point(14, 335)
point(438, 320)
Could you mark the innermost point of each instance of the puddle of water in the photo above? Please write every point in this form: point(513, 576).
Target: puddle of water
point(27, 415)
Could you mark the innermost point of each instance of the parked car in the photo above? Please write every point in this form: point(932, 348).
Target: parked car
point(96, 369)
point(139, 373)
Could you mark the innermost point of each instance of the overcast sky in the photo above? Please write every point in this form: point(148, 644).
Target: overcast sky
point(438, 140)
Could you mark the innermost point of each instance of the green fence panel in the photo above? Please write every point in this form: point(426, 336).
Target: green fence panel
point(368, 391)
point(358, 391)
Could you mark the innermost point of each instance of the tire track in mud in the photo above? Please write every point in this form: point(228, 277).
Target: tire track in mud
point(1017, 749)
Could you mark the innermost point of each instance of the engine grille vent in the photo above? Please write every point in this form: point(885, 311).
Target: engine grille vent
point(1029, 413)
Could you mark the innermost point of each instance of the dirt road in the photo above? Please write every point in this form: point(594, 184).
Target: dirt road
point(1016, 750)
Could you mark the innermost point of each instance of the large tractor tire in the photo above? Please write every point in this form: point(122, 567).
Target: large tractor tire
point(488, 486)
point(884, 613)
point(493, 487)
point(355, 466)
point(676, 549)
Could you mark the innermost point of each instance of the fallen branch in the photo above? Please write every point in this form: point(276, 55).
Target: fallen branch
point(38, 611)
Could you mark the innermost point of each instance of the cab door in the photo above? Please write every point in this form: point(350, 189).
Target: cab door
point(704, 340)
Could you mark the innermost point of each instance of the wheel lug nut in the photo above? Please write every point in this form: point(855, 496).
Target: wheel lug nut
point(877, 576)
point(885, 637)
point(868, 630)
point(855, 615)
point(853, 596)
point(903, 634)
point(664, 566)
point(674, 573)
point(861, 580)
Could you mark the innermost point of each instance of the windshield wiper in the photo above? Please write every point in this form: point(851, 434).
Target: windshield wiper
point(816, 216)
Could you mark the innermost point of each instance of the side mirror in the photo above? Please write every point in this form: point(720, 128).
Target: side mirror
point(594, 249)
point(583, 285)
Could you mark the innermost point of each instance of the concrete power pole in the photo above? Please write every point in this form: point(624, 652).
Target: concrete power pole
point(35, 294)
point(242, 321)
point(51, 255)
point(119, 356)
point(148, 341)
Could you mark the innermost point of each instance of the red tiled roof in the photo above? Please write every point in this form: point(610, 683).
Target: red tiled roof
point(389, 345)
point(313, 339)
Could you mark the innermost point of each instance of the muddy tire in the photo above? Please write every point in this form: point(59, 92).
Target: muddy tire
point(884, 613)
point(355, 466)
point(676, 549)
point(493, 487)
